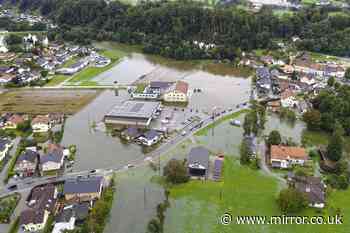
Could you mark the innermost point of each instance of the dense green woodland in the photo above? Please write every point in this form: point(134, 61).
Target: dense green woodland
point(330, 107)
point(169, 28)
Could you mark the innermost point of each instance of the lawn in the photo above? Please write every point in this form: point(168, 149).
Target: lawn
point(70, 62)
point(7, 206)
point(205, 130)
point(89, 73)
point(197, 206)
point(85, 76)
point(57, 79)
point(318, 138)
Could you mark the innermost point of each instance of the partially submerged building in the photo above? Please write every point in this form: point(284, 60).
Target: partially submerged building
point(133, 113)
point(198, 162)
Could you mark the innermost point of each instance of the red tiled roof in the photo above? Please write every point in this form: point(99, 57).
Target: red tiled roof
point(181, 87)
point(285, 152)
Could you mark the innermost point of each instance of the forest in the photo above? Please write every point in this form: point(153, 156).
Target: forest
point(170, 28)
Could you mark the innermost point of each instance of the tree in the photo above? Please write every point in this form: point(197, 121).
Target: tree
point(24, 127)
point(291, 200)
point(331, 81)
point(176, 172)
point(154, 226)
point(44, 73)
point(347, 73)
point(13, 39)
point(244, 153)
point(312, 119)
point(274, 138)
point(335, 146)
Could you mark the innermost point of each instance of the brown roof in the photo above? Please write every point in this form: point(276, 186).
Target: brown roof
point(16, 119)
point(285, 152)
point(286, 94)
point(7, 77)
point(53, 146)
point(42, 198)
point(275, 103)
point(181, 87)
point(41, 119)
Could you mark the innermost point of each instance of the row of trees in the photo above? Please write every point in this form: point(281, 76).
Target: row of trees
point(168, 28)
point(13, 26)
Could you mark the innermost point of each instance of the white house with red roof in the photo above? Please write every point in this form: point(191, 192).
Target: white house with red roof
point(179, 93)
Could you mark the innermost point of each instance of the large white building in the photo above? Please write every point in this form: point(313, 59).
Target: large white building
point(133, 113)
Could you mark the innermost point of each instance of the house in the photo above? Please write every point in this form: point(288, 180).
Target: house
point(177, 94)
point(56, 118)
point(263, 82)
point(131, 133)
point(285, 156)
point(6, 78)
point(274, 106)
point(8, 56)
point(312, 187)
point(159, 87)
point(52, 161)
point(14, 121)
point(41, 203)
point(81, 64)
point(80, 211)
point(333, 70)
point(5, 146)
point(150, 138)
point(26, 163)
point(304, 64)
point(83, 189)
point(309, 80)
point(41, 124)
point(198, 162)
point(288, 99)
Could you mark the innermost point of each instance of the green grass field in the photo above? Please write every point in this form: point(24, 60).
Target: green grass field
point(205, 130)
point(57, 79)
point(197, 206)
point(85, 76)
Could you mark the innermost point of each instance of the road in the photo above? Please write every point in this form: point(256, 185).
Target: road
point(24, 185)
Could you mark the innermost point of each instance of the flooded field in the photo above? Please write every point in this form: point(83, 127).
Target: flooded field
point(96, 149)
point(46, 101)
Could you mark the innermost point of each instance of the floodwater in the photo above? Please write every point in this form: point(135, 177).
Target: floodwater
point(96, 149)
point(126, 71)
point(136, 196)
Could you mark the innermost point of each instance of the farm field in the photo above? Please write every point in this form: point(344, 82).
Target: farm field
point(46, 101)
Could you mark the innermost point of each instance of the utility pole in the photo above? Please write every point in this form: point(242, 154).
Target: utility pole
point(144, 197)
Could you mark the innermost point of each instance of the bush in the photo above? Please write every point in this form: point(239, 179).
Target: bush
point(176, 171)
point(291, 200)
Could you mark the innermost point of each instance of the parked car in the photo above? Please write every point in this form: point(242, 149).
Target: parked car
point(12, 187)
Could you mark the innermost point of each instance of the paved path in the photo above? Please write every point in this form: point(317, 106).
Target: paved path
point(263, 165)
point(10, 155)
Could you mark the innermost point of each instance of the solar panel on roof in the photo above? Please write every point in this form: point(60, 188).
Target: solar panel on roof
point(136, 107)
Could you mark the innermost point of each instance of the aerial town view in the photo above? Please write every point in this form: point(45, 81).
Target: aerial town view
point(188, 116)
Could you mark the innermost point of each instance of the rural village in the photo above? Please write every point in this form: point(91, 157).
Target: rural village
point(93, 132)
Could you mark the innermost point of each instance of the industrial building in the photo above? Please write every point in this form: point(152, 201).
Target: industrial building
point(133, 113)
